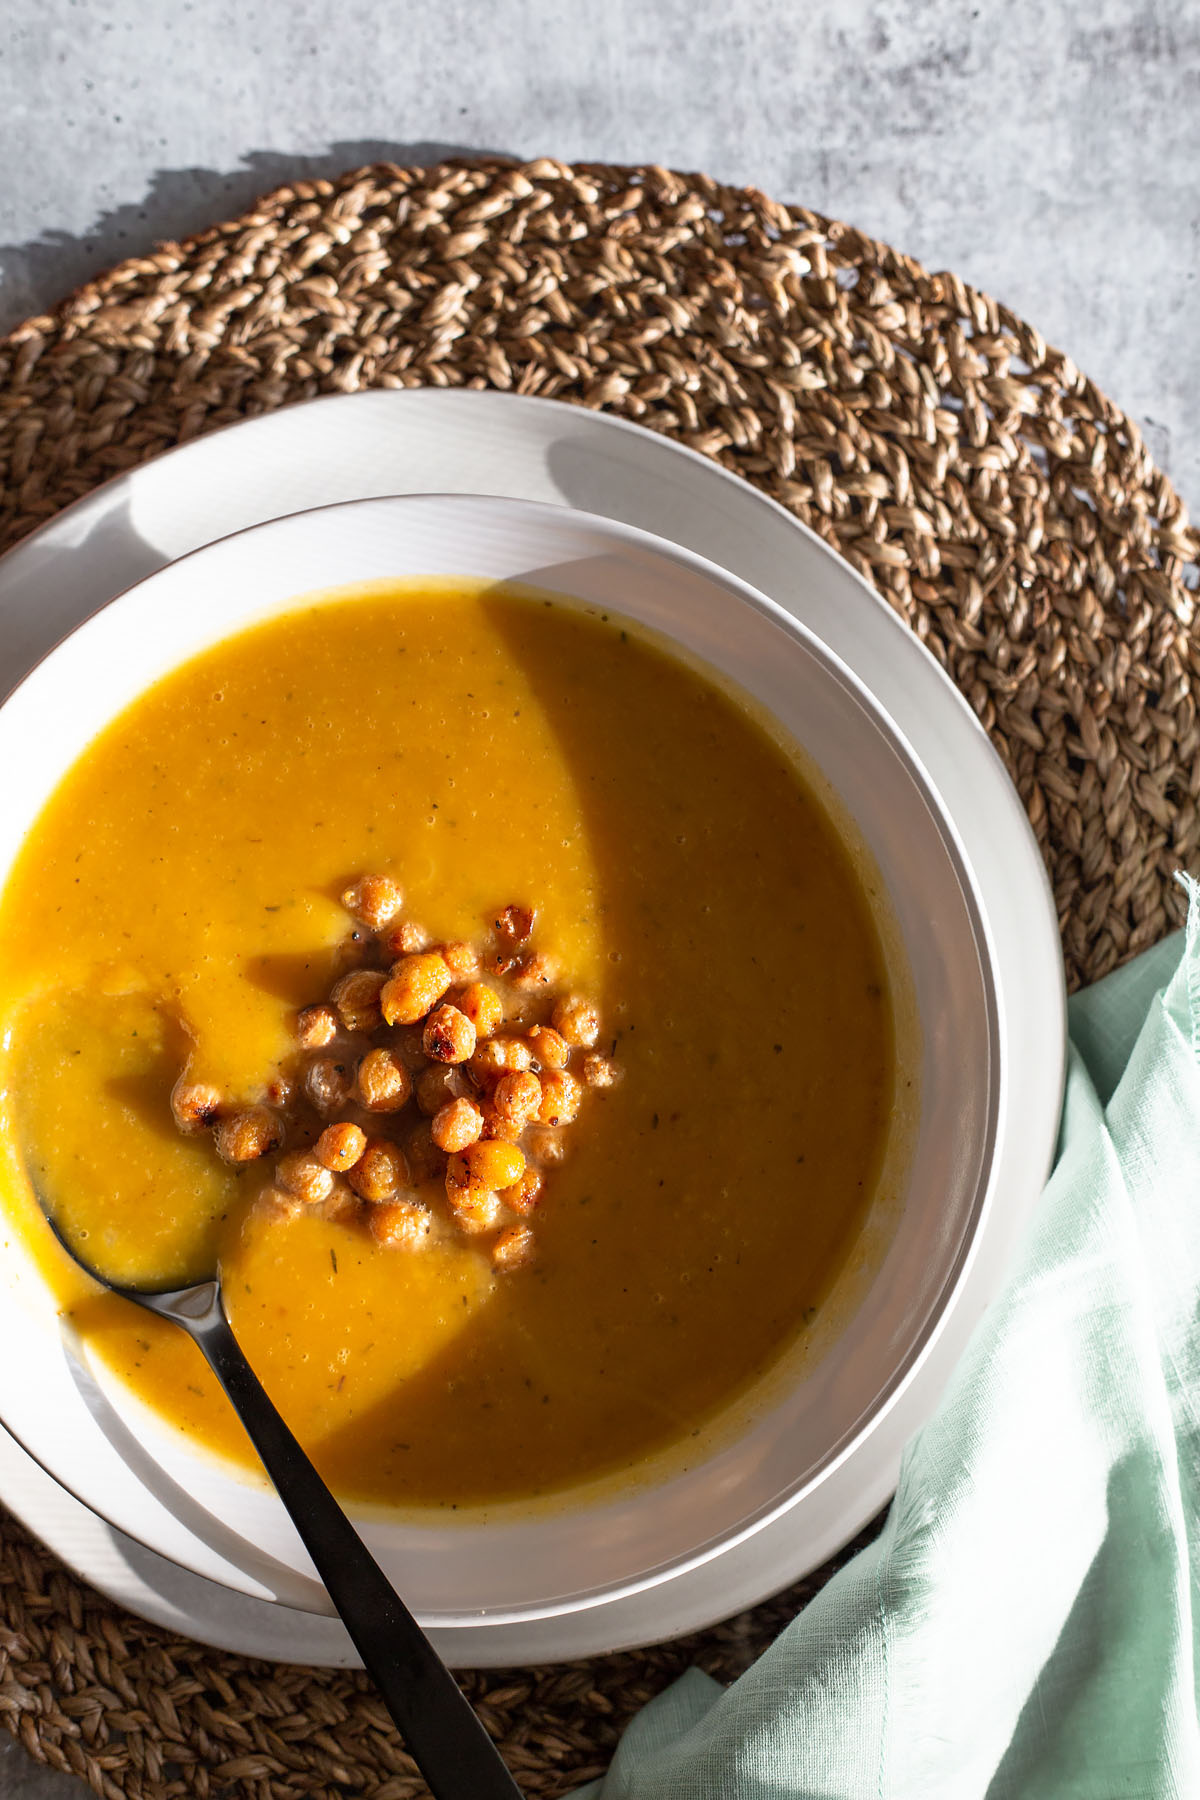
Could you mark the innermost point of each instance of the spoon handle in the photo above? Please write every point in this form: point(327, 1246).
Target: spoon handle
point(450, 1746)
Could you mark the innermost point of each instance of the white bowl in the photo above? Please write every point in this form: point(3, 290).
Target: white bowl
point(96, 1440)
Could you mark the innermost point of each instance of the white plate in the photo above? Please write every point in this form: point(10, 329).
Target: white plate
point(382, 443)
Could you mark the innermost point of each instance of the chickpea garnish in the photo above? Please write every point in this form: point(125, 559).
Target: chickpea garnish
point(279, 1201)
point(493, 1165)
point(245, 1136)
point(399, 1224)
point(301, 1173)
point(357, 999)
point(425, 1160)
point(517, 1097)
point(380, 1172)
point(475, 1209)
point(382, 1083)
point(549, 1049)
point(495, 1102)
point(437, 1084)
point(599, 1071)
point(524, 1195)
point(343, 1207)
point(374, 900)
point(326, 1084)
point(195, 1104)
point(496, 1125)
point(577, 1020)
point(316, 1026)
point(456, 1125)
point(449, 1035)
point(340, 1146)
point(513, 1247)
point(534, 973)
point(498, 1056)
point(514, 924)
point(404, 937)
point(561, 1094)
point(482, 1006)
point(474, 1202)
point(462, 960)
point(414, 987)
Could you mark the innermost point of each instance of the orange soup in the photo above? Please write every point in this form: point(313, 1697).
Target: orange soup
point(178, 901)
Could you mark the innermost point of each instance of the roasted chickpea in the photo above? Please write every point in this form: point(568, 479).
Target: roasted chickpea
point(481, 1004)
point(380, 1171)
point(404, 937)
point(399, 1224)
point(599, 1071)
point(500, 1056)
point(279, 1202)
point(195, 1104)
point(501, 962)
point(302, 1174)
point(342, 1207)
point(546, 1144)
point(576, 1019)
point(517, 1097)
point(525, 1195)
point(279, 1090)
point(513, 1247)
point(462, 960)
point(497, 1125)
point(326, 1084)
point(340, 1146)
point(449, 1035)
point(437, 1085)
point(494, 1164)
point(356, 998)
point(514, 924)
point(456, 1125)
point(316, 1026)
point(414, 987)
point(245, 1136)
point(534, 973)
point(475, 1209)
point(549, 1049)
point(426, 1162)
point(374, 900)
point(561, 1094)
point(382, 1083)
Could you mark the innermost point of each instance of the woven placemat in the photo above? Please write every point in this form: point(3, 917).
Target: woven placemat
point(998, 500)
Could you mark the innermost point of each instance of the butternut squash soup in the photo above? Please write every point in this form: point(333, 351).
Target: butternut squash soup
point(358, 911)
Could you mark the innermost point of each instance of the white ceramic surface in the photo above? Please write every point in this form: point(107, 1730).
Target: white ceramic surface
point(532, 446)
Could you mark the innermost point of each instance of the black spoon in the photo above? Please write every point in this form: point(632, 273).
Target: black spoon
point(449, 1745)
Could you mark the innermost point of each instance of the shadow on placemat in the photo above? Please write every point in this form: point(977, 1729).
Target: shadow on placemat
point(995, 497)
point(177, 203)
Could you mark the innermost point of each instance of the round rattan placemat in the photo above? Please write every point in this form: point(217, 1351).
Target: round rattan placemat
point(997, 499)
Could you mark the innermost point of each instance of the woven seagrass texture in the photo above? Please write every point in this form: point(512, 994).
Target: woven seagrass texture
point(1006, 509)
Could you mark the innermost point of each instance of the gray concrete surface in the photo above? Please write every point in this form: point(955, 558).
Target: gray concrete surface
point(21, 1778)
point(1049, 150)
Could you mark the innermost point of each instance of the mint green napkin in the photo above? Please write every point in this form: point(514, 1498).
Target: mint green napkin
point(1026, 1626)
